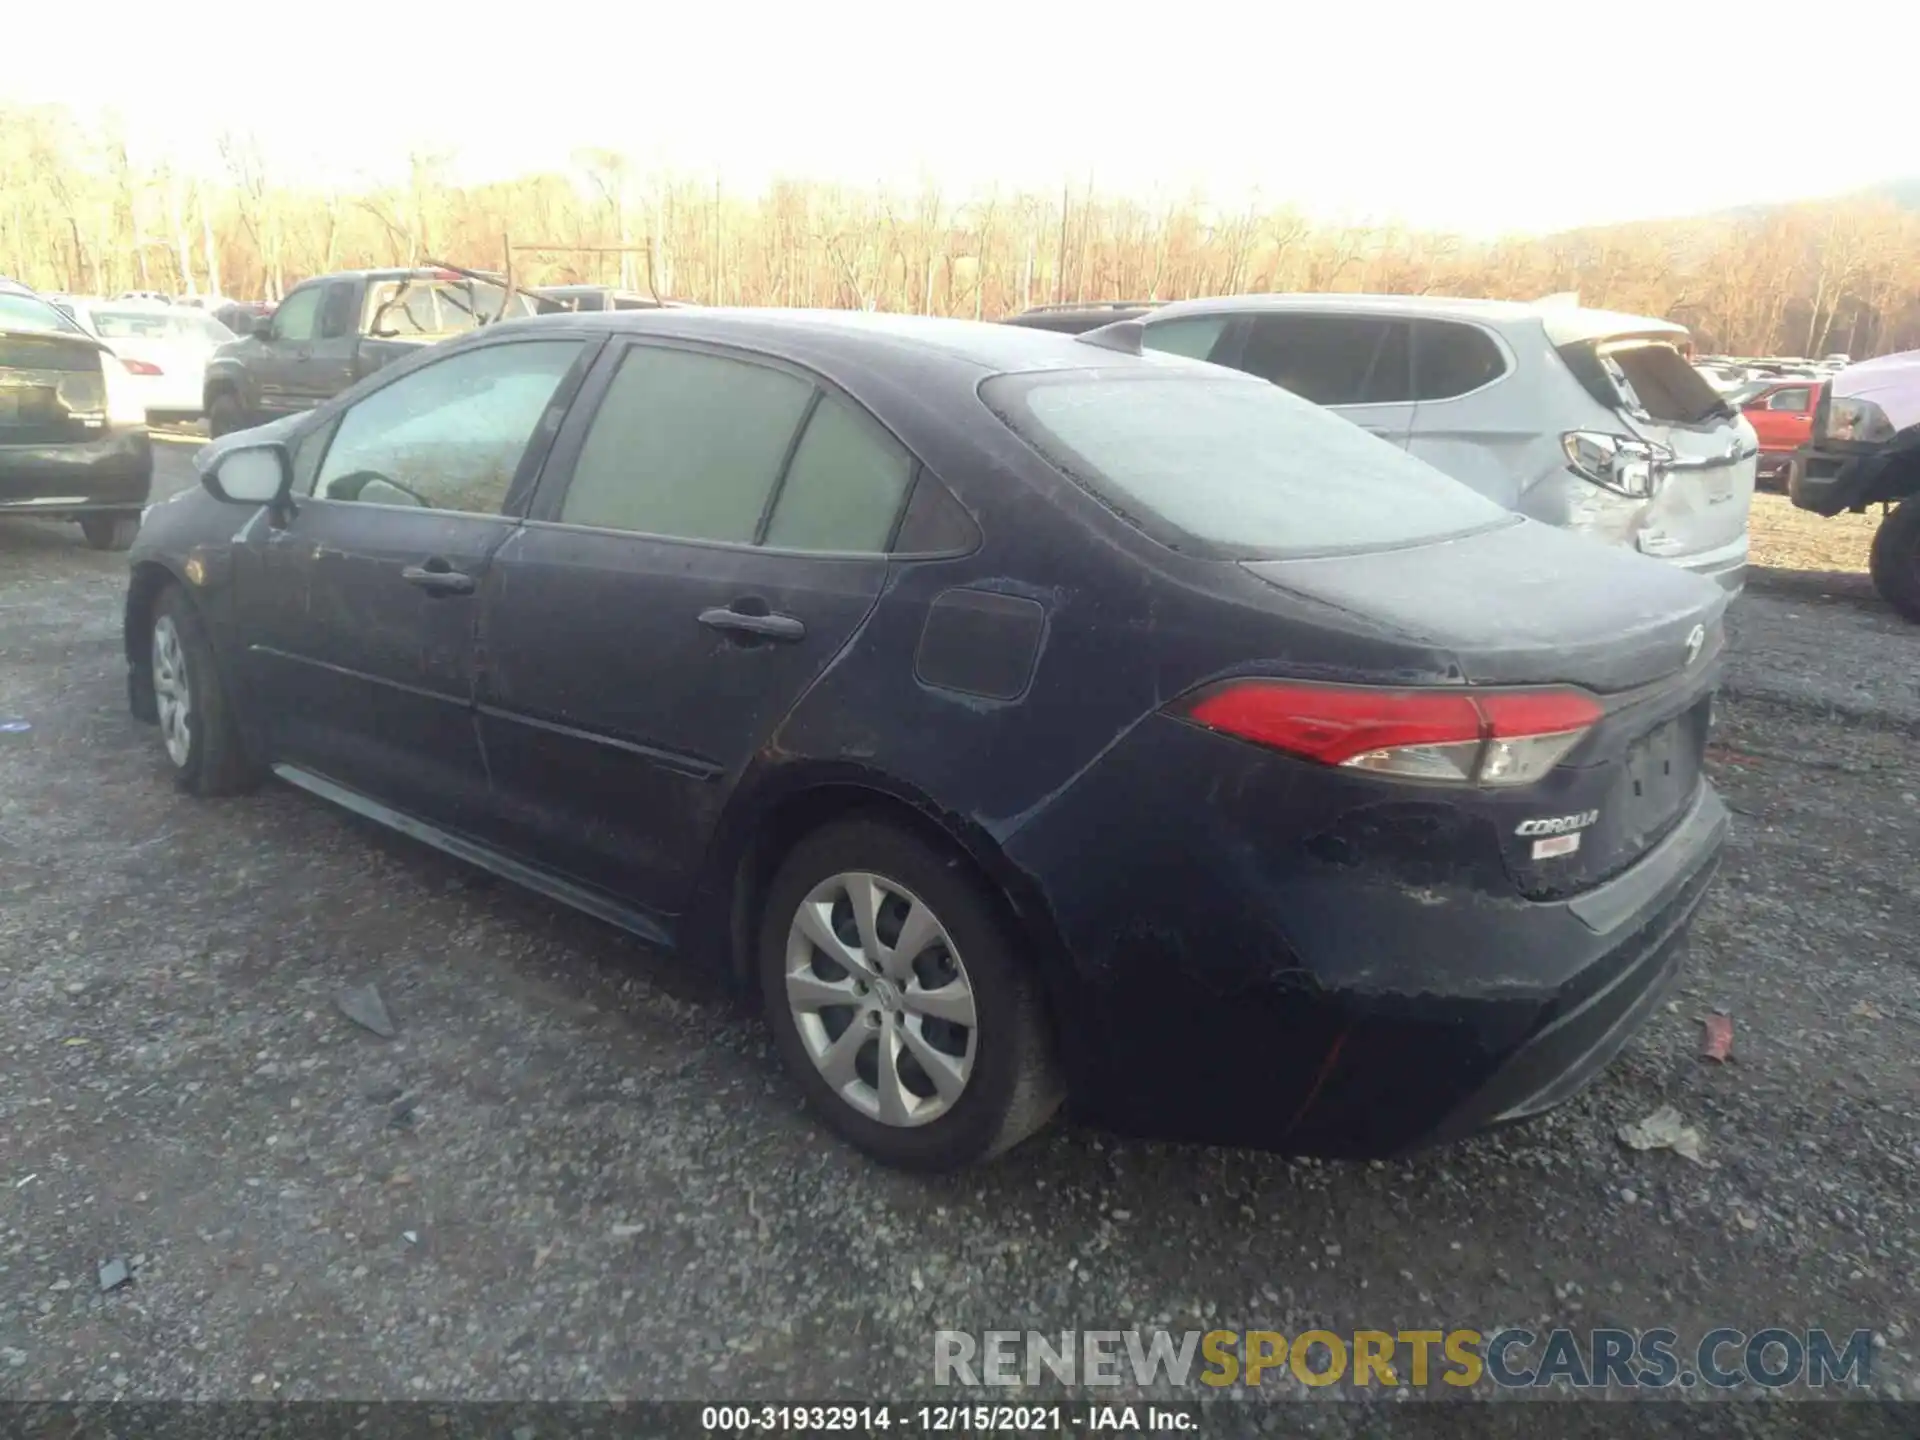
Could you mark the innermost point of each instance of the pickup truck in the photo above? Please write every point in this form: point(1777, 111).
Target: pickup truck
point(330, 331)
point(1781, 413)
point(1865, 451)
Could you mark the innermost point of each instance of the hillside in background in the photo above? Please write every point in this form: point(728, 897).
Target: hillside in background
point(77, 215)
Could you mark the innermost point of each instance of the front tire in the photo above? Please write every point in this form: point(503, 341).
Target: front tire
point(226, 415)
point(203, 744)
point(1895, 563)
point(899, 1003)
point(110, 532)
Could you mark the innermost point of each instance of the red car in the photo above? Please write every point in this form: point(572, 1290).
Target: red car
point(1781, 414)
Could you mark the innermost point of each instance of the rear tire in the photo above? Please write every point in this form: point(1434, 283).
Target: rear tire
point(991, 1044)
point(1895, 563)
point(202, 742)
point(226, 415)
point(110, 532)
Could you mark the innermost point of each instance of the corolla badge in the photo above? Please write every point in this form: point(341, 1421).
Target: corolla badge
point(1696, 642)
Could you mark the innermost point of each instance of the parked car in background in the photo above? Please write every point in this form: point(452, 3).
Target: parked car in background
point(164, 347)
point(1781, 413)
point(73, 429)
point(1591, 421)
point(1865, 451)
point(332, 331)
point(1078, 318)
point(851, 650)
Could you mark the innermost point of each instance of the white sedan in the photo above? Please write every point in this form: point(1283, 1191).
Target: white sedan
point(164, 347)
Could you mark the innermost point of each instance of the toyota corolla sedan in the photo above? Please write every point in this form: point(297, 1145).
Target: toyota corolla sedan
point(1021, 717)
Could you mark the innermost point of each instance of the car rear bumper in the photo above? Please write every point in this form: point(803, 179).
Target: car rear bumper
point(112, 472)
point(1233, 992)
point(1726, 566)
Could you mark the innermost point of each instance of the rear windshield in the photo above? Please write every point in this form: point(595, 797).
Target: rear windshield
point(1233, 468)
point(30, 312)
point(440, 307)
point(160, 325)
point(1647, 377)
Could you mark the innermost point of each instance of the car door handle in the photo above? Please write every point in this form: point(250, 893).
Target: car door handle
point(438, 579)
point(769, 627)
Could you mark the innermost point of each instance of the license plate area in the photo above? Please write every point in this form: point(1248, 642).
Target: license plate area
point(1659, 778)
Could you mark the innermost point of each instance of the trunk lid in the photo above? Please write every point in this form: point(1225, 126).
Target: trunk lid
point(1524, 604)
point(52, 391)
point(1529, 604)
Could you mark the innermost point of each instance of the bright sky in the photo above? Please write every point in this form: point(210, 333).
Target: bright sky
point(1476, 115)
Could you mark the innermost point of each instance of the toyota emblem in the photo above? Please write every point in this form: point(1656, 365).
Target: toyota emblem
point(1696, 642)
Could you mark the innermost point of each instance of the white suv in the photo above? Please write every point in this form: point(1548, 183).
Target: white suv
point(1584, 419)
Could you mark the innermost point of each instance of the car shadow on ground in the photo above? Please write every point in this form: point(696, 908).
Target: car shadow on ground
point(1850, 586)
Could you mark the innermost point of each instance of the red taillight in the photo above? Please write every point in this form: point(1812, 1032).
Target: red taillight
point(1494, 737)
point(140, 367)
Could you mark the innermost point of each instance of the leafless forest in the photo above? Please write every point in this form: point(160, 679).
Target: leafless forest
point(77, 215)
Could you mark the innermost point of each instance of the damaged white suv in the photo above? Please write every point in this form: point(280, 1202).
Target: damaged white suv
point(1584, 419)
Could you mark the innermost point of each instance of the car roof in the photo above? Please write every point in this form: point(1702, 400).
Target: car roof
point(822, 336)
point(1564, 324)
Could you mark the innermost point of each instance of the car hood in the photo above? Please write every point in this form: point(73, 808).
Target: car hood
point(1892, 382)
point(1523, 604)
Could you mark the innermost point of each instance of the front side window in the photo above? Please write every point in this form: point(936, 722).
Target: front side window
point(337, 317)
point(298, 318)
point(1224, 468)
point(1798, 400)
point(1332, 359)
point(449, 436)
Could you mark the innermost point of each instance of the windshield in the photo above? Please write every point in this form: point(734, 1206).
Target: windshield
point(186, 325)
point(30, 312)
point(439, 307)
point(1231, 467)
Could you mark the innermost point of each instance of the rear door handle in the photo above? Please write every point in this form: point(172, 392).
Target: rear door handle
point(437, 577)
point(769, 627)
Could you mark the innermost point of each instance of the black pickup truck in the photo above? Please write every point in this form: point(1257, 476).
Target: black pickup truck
point(330, 331)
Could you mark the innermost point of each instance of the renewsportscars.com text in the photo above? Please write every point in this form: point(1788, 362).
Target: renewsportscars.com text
point(1507, 1359)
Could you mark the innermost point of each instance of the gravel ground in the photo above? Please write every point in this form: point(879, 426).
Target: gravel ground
point(577, 1173)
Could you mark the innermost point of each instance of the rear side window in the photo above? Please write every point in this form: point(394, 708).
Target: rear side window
point(1223, 468)
point(1451, 360)
point(844, 487)
point(686, 445)
point(1332, 359)
point(690, 446)
point(1193, 336)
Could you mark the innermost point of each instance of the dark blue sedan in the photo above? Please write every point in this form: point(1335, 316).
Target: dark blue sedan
point(1023, 717)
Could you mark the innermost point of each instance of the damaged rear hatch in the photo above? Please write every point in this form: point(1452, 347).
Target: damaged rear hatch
point(1692, 494)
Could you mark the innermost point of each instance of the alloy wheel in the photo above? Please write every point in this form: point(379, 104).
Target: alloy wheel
point(173, 696)
point(881, 999)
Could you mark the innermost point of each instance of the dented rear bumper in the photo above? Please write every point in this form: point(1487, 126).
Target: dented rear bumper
point(1234, 985)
